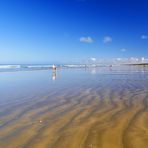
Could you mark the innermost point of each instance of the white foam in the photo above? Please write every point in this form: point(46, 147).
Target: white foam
point(9, 66)
point(39, 66)
point(74, 66)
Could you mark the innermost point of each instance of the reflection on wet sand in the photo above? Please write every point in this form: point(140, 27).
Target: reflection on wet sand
point(110, 112)
point(54, 74)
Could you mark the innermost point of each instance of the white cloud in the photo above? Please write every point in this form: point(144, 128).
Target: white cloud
point(118, 59)
point(107, 39)
point(123, 50)
point(86, 39)
point(93, 59)
point(144, 37)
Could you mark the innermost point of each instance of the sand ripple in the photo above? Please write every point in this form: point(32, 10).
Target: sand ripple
point(111, 115)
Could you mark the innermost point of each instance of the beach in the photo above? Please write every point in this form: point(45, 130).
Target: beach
point(75, 108)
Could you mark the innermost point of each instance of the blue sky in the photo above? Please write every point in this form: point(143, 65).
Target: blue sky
point(46, 31)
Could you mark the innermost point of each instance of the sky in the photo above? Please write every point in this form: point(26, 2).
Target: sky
point(47, 31)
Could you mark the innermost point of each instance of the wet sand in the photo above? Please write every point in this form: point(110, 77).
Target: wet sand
point(107, 112)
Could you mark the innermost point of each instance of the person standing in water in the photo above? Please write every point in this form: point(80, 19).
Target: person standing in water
point(54, 67)
point(54, 72)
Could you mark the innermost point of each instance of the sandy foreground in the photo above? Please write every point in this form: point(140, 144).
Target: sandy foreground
point(111, 115)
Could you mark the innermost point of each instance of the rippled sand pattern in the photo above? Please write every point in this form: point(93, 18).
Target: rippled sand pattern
point(108, 113)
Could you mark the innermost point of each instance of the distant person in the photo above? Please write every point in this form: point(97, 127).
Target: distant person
point(54, 67)
point(54, 72)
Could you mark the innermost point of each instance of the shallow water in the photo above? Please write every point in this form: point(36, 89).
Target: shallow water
point(75, 108)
